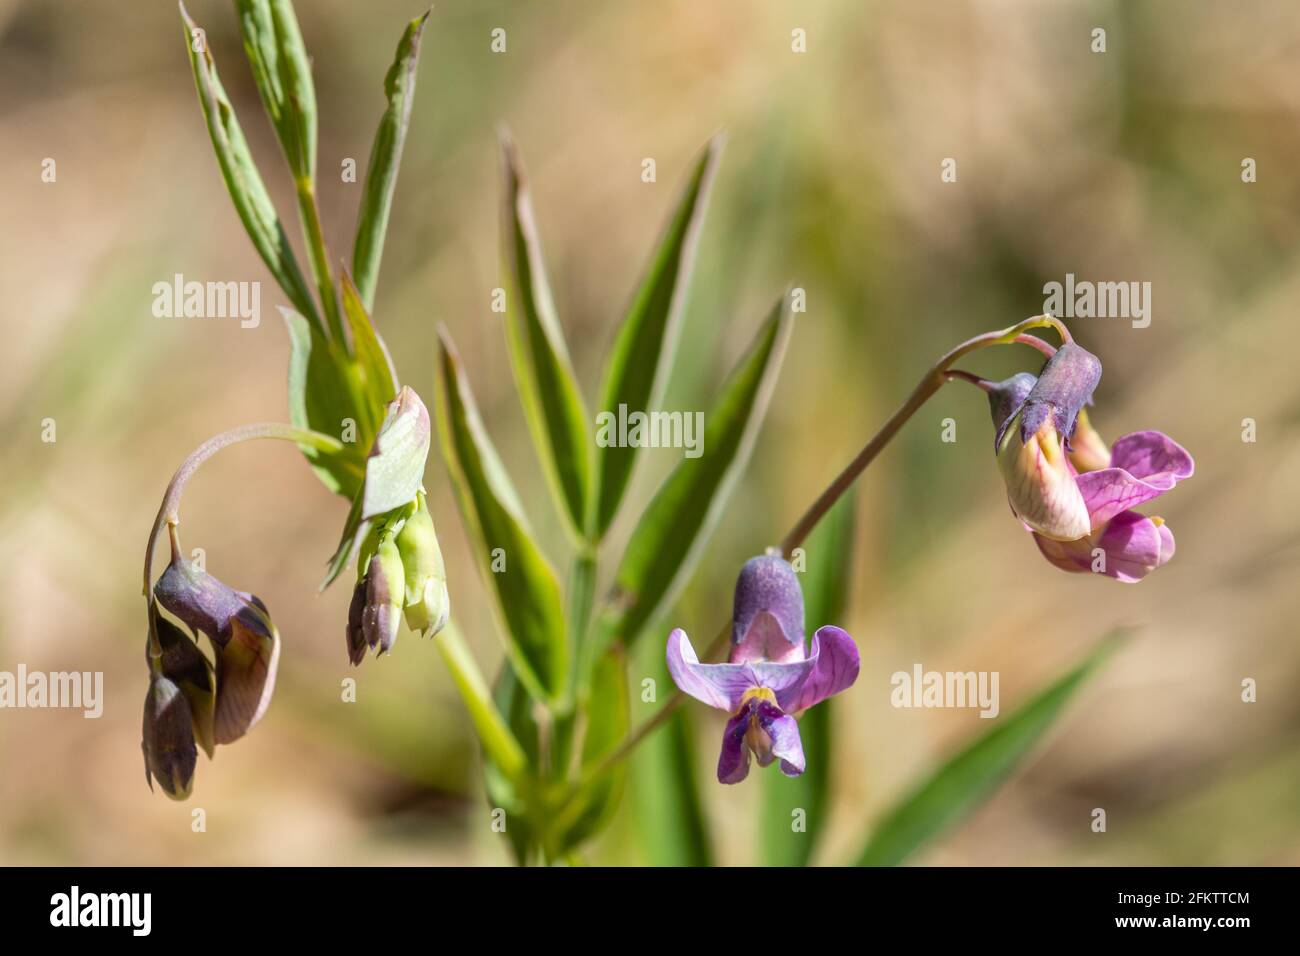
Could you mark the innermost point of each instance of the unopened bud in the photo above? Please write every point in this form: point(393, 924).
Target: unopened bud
point(426, 598)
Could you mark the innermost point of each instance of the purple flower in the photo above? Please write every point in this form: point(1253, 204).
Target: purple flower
point(1121, 543)
point(1067, 488)
point(770, 679)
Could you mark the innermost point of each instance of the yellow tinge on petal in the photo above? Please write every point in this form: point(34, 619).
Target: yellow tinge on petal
point(1088, 452)
point(1040, 485)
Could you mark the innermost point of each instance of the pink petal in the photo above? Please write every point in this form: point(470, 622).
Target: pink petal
point(1144, 465)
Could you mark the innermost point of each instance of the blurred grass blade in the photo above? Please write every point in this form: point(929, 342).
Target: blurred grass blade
point(967, 779)
point(671, 533)
point(553, 406)
point(317, 403)
point(526, 588)
point(247, 191)
point(385, 158)
point(826, 582)
point(378, 377)
point(643, 350)
point(669, 816)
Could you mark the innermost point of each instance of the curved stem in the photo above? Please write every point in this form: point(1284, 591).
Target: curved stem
point(930, 383)
point(169, 510)
point(958, 375)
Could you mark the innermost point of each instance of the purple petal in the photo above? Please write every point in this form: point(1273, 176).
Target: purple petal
point(733, 761)
point(1144, 465)
point(1134, 546)
point(784, 733)
point(718, 685)
point(834, 667)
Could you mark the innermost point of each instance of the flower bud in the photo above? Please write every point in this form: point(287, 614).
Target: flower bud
point(168, 738)
point(426, 598)
point(1005, 399)
point(767, 613)
point(381, 615)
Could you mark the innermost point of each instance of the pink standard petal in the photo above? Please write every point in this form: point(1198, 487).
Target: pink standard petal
point(834, 667)
point(1144, 465)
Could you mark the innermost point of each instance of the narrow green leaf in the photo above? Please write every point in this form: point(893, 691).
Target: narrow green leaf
point(247, 191)
point(385, 158)
point(374, 364)
point(514, 569)
point(671, 534)
point(257, 26)
point(669, 816)
point(548, 391)
point(317, 401)
point(642, 354)
point(968, 778)
point(828, 558)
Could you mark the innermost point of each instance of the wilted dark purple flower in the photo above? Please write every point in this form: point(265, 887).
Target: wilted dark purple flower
point(770, 679)
point(246, 643)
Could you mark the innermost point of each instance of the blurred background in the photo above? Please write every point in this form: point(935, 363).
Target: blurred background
point(1115, 166)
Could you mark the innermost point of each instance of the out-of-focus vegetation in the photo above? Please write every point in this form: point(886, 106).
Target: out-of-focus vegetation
point(1123, 165)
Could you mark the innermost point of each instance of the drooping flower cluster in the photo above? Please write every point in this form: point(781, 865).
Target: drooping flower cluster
point(771, 676)
point(1072, 493)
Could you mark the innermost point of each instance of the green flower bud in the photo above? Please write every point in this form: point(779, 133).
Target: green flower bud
point(426, 598)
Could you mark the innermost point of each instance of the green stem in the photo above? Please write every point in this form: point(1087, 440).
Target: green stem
point(498, 741)
point(320, 260)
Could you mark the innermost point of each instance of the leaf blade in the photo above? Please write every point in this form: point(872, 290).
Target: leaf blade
point(975, 772)
point(670, 536)
point(385, 158)
point(646, 342)
point(243, 181)
point(548, 390)
point(527, 592)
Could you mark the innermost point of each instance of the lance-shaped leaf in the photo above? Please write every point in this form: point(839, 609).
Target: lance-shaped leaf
point(643, 350)
point(526, 588)
point(373, 363)
point(385, 158)
point(968, 778)
point(672, 532)
point(282, 73)
point(244, 182)
point(828, 557)
point(553, 406)
point(319, 400)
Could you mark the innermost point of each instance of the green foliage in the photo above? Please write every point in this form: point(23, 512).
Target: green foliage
point(969, 777)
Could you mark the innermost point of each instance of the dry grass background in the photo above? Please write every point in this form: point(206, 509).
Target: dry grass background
point(1121, 166)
